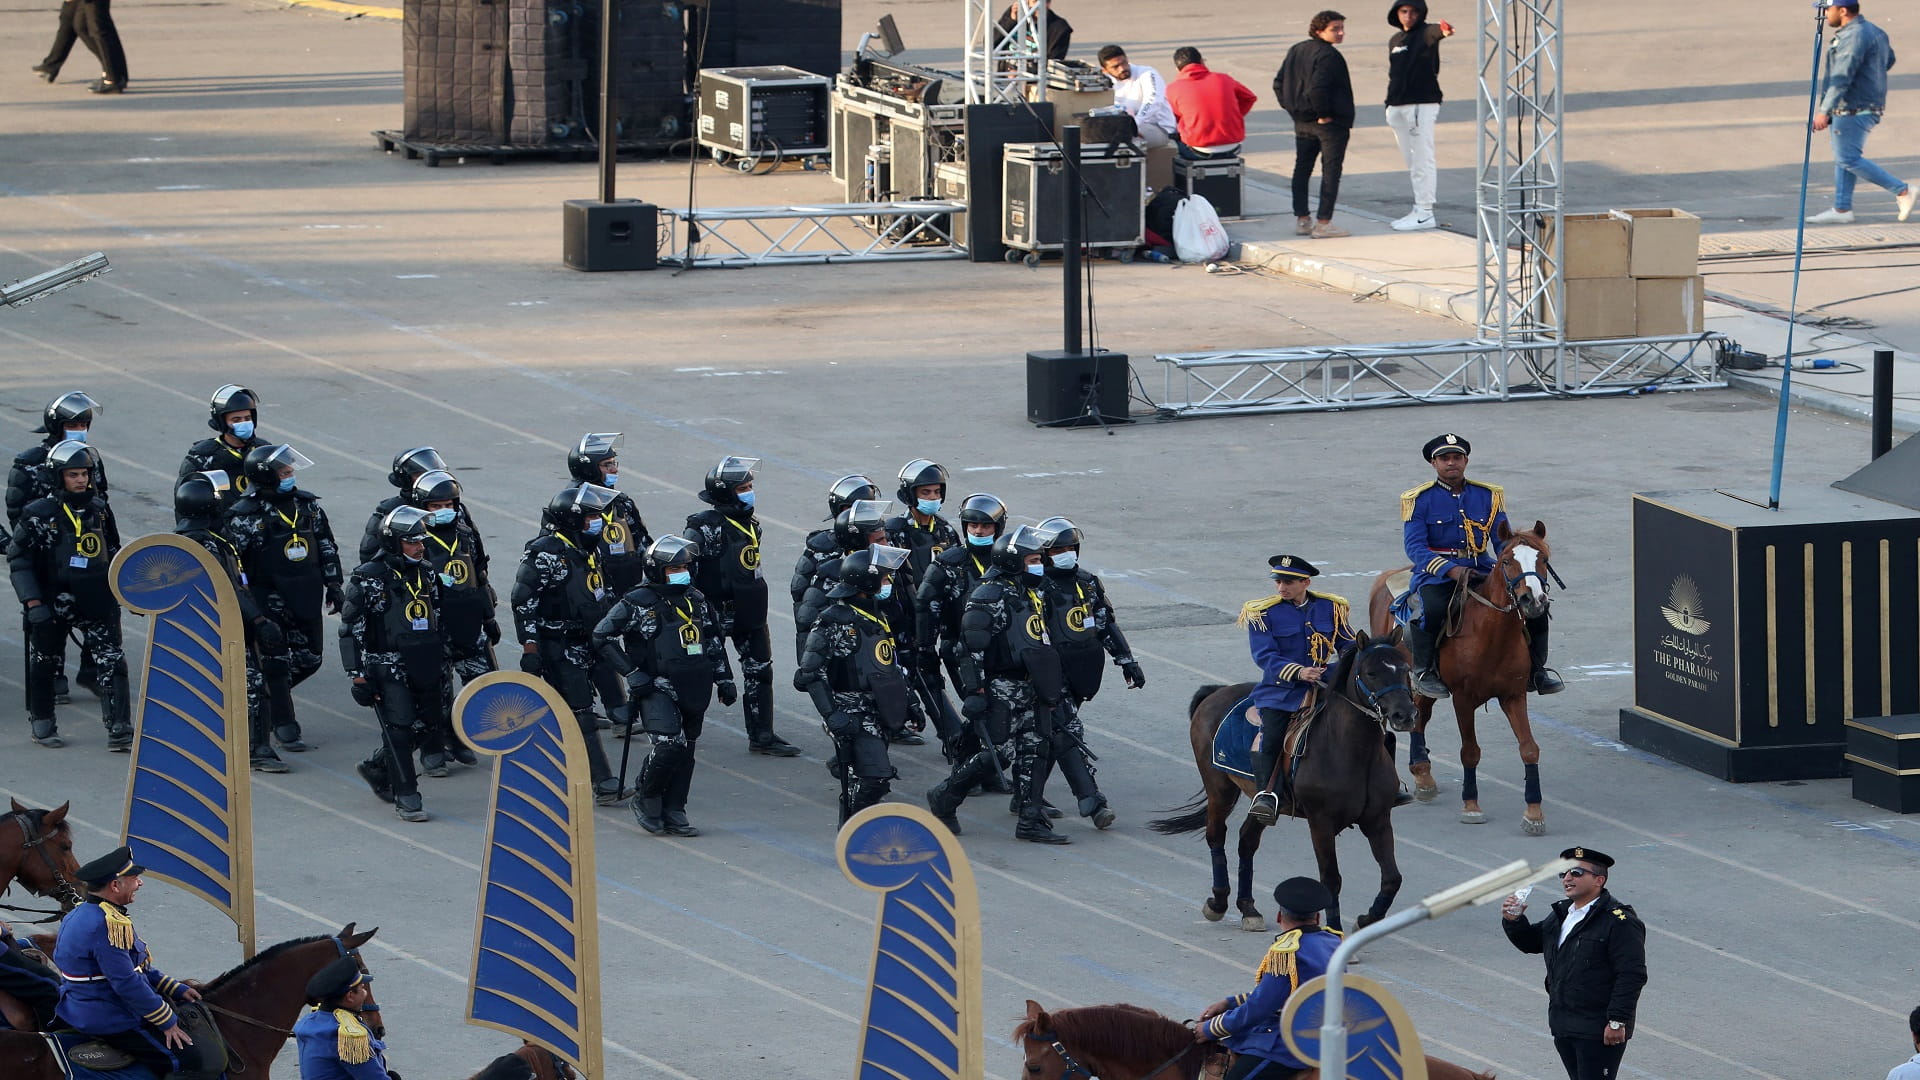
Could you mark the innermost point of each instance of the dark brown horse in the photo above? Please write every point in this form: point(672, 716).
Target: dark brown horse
point(1345, 779)
point(1485, 660)
point(254, 1005)
point(36, 849)
point(1126, 1042)
point(531, 1062)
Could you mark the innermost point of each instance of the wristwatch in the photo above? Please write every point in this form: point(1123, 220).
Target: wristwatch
point(1615, 1025)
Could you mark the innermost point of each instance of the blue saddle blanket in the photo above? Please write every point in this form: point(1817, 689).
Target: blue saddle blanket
point(68, 1040)
point(1233, 740)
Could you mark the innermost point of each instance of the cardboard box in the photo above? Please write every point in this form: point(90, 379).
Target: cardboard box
point(1662, 243)
point(1596, 246)
point(1665, 307)
point(1600, 308)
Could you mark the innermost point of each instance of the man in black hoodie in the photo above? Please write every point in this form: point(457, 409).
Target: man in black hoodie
point(1413, 100)
point(1314, 88)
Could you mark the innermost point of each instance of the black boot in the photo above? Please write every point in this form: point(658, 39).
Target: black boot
point(648, 812)
point(1266, 804)
point(45, 732)
point(674, 805)
point(1544, 679)
point(756, 705)
point(1426, 674)
point(1079, 773)
point(945, 797)
point(1034, 826)
point(374, 772)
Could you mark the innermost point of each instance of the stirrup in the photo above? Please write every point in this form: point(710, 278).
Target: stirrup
point(1428, 684)
point(1265, 808)
point(1545, 680)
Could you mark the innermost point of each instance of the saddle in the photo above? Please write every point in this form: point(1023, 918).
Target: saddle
point(206, 1059)
point(1406, 606)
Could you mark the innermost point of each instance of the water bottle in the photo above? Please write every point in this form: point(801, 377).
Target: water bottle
point(1156, 255)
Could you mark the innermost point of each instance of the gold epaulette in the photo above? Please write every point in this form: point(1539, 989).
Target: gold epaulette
point(1340, 605)
point(1409, 497)
point(1253, 612)
point(119, 928)
point(353, 1043)
point(1279, 959)
point(1499, 497)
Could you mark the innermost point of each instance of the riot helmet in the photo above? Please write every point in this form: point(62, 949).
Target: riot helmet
point(853, 529)
point(864, 572)
point(1012, 549)
point(981, 508)
point(72, 407)
point(919, 473)
point(1063, 545)
point(262, 466)
point(594, 450)
point(725, 479)
point(572, 509)
point(232, 398)
point(198, 499)
point(438, 485)
point(848, 489)
point(410, 464)
point(403, 525)
point(69, 454)
point(668, 554)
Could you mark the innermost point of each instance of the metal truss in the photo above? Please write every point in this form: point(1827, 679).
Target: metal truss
point(1518, 194)
point(1323, 379)
point(776, 235)
point(1005, 66)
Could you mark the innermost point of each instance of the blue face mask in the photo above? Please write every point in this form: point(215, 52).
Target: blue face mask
point(928, 507)
point(243, 429)
point(594, 525)
point(745, 497)
point(1067, 560)
point(886, 590)
point(679, 577)
point(286, 484)
point(979, 541)
point(77, 434)
point(1036, 569)
point(611, 480)
point(442, 517)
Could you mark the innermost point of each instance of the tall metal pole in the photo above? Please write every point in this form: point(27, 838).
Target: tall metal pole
point(1882, 401)
point(1073, 202)
point(609, 126)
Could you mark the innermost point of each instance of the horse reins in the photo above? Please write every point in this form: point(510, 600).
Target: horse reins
point(243, 1018)
point(32, 839)
point(1074, 1068)
point(1371, 706)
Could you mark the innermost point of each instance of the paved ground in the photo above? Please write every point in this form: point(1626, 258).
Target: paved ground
point(378, 304)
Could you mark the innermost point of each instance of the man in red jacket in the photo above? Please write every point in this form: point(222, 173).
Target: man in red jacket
point(1210, 108)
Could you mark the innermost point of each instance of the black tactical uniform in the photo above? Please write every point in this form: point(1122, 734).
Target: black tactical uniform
point(941, 597)
point(728, 573)
point(196, 511)
point(664, 638)
point(408, 466)
point(227, 451)
point(559, 596)
point(820, 546)
point(925, 535)
point(69, 416)
point(850, 670)
point(293, 564)
point(467, 600)
point(59, 560)
point(1085, 632)
point(394, 647)
point(858, 528)
point(624, 541)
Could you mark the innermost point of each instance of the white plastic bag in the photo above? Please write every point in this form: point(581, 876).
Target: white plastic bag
point(1198, 236)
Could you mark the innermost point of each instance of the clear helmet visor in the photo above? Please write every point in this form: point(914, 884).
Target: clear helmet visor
point(1027, 540)
point(869, 513)
point(594, 499)
point(73, 405)
point(888, 558)
point(671, 550)
point(600, 444)
point(420, 459)
point(222, 483)
point(736, 470)
point(402, 520)
point(286, 456)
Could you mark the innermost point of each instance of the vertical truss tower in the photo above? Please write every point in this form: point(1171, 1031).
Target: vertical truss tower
point(1518, 189)
point(1002, 64)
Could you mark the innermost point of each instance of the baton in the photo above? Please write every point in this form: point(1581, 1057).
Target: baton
point(979, 726)
point(1061, 720)
point(626, 744)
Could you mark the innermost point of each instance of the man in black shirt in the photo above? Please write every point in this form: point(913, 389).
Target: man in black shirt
point(1315, 89)
point(1413, 100)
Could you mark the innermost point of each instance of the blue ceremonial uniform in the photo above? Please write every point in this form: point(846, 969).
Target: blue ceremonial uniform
point(108, 982)
point(1443, 530)
point(1252, 1025)
point(326, 1053)
point(1288, 638)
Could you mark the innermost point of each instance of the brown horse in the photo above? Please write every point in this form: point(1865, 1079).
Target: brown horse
point(36, 849)
point(1485, 660)
point(1126, 1042)
point(531, 1062)
point(1345, 779)
point(254, 1005)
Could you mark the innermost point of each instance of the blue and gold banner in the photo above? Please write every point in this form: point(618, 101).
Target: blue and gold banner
point(923, 1004)
point(536, 946)
point(1381, 1042)
point(189, 817)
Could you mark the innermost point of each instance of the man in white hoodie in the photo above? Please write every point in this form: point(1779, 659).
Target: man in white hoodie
point(1141, 91)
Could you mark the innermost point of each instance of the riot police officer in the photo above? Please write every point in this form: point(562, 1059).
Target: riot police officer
point(942, 597)
point(467, 600)
point(921, 530)
point(408, 466)
point(850, 671)
point(293, 563)
point(197, 503)
point(69, 416)
point(820, 546)
point(729, 575)
point(59, 559)
point(857, 527)
point(559, 596)
point(624, 540)
point(234, 415)
point(664, 639)
point(393, 646)
point(1081, 621)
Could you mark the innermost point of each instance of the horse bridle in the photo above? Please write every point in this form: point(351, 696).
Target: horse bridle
point(1074, 1068)
point(243, 1018)
point(32, 839)
point(1372, 696)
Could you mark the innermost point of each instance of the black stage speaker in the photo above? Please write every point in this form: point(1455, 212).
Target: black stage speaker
point(989, 128)
point(620, 235)
point(1067, 389)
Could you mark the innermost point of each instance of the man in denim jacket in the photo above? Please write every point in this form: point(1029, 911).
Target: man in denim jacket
point(1851, 101)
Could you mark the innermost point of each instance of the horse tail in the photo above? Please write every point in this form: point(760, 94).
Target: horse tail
point(1201, 695)
point(1188, 817)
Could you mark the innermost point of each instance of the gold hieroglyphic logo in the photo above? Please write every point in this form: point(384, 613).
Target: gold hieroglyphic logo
point(1685, 610)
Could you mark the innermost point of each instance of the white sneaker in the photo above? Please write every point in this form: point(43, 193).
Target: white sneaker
point(1905, 202)
point(1832, 217)
point(1415, 221)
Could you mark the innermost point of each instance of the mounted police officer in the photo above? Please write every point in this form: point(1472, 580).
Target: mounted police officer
point(67, 417)
point(408, 466)
point(293, 563)
point(664, 639)
point(1448, 525)
point(942, 596)
point(820, 546)
point(234, 415)
point(110, 989)
point(393, 645)
point(1295, 635)
point(333, 1042)
point(559, 595)
point(850, 669)
point(197, 503)
point(1080, 619)
point(456, 553)
point(728, 572)
point(1249, 1024)
point(59, 560)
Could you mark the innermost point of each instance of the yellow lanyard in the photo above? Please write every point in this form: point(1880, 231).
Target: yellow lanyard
point(293, 523)
point(978, 566)
point(414, 588)
point(449, 547)
point(753, 535)
point(875, 619)
point(75, 518)
point(593, 560)
point(1038, 607)
point(686, 613)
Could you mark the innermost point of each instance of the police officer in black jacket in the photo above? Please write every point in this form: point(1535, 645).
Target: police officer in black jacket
point(457, 554)
point(69, 416)
point(851, 671)
point(941, 597)
point(393, 646)
point(820, 546)
point(234, 415)
point(408, 466)
point(1596, 953)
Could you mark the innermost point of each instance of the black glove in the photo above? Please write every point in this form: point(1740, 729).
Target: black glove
point(839, 722)
point(639, 683)
point(363, 693)
point(493, 638)
point(531, 664)
point(1135, 677)
point(269, 635)
point(976, 707)
point(729, 693)
point(40, 614)
point(927, 663)
point(335, 599)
